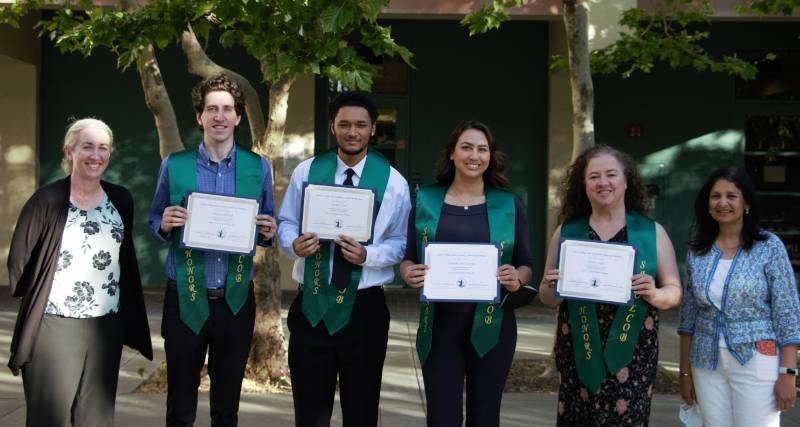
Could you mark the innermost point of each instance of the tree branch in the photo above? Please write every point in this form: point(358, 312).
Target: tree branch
point(201, 65)
point(157, 100)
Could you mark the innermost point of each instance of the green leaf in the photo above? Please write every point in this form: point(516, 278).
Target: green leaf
point(330, 18)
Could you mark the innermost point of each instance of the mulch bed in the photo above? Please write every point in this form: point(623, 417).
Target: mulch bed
point(157, 383)
point(525, 377)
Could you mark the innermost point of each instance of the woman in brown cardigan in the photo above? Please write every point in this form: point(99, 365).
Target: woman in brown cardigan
point(72, 262)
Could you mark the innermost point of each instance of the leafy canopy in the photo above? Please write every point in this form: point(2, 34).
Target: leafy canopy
point(287, 37)
point(673, 34)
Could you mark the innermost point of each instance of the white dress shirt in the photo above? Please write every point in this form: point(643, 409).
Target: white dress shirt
point(389, 231)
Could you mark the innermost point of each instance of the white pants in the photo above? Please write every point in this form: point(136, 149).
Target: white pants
point(738, 396)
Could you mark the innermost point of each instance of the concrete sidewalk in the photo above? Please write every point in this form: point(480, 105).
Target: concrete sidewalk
point(402, 393)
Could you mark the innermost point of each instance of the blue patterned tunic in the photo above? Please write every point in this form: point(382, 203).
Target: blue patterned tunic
point(759, 302)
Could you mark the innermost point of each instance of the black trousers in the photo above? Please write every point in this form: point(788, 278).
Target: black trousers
point(227, 339)
point(354, 354)
point(72, 377)
point(452, 358)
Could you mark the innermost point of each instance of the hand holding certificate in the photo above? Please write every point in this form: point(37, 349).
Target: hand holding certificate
point(220, 223)
point(333, 210)
point(461, 272)
point(596, 271)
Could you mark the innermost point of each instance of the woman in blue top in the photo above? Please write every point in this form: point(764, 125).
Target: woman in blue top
point(740, 316)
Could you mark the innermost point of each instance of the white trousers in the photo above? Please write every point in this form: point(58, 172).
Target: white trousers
point(738, 396)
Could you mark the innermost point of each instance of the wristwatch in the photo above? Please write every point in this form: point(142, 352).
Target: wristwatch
point(785, 370)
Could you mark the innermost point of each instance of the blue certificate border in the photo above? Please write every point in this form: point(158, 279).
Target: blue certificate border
point(635, 263)
point(422, 297)
point(252, 252)
point(375, 208)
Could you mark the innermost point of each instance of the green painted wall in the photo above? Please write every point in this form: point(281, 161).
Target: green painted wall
point(691, 122)
point(73, 86)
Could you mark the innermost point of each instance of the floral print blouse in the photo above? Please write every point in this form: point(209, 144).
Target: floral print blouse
point(86, 283)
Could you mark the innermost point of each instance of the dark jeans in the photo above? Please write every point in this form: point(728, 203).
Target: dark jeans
point(227, 339)
point(452, 359)
point(354, 354)
point(72, 377)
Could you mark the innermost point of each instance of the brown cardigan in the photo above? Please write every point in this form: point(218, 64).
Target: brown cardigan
point(33, 260)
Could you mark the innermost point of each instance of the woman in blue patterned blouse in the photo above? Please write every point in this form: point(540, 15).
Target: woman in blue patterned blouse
point(740, 316)
point(73, 264)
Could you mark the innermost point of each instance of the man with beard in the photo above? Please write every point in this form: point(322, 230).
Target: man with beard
point(339, 322)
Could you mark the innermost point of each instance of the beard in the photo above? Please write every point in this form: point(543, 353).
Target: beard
point(353, 151)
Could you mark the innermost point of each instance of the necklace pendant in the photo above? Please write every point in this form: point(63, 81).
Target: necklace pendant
point(466, 207)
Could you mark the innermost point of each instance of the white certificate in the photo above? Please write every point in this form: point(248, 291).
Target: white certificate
point(596, 271)
point(332, 210)
point(461, 272)
point(220, 223)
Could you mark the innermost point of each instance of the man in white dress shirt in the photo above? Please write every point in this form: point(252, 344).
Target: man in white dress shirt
point(339, 322)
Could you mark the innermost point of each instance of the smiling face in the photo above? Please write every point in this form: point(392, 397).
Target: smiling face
point(471, 154)
point(726, 203)
point(605, 182)
point(219, 118)
point(89, 155)
point(352, 128)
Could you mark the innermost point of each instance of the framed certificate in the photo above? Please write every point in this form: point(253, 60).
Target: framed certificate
point(220, 223)
point(464, 272)
point(332, 210)
point(596, 271)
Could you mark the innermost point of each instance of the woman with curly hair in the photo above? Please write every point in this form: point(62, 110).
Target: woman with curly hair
point(740, 316)
point(603, 198)
point(73, 263)
point(461, 340)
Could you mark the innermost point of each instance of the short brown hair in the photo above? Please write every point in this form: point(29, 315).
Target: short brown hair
point(216, 83)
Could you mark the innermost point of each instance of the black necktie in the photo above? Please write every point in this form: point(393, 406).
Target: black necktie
point(340, 277)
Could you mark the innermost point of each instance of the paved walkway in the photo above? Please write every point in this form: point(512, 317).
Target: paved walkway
point(402, 394)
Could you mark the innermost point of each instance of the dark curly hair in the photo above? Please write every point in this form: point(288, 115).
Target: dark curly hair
point(705, 228)
point(493, 176)
point(575, 203)
point(353, 99)
point(216, 83)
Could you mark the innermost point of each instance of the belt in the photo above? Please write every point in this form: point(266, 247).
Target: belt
point(212, 293)
point(360, 292)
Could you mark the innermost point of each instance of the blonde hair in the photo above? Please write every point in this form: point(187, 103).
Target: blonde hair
point(71, 137)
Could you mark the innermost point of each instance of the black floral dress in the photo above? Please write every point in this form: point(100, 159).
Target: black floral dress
point(624, 398)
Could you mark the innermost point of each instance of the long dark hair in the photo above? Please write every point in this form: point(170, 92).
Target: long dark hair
point(705, 228)
point(575, 203)
point(493, 175)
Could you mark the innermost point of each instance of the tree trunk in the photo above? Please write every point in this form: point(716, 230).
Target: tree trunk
point(157, 100)
point(272, 140)
point(576, 24)
point(267, 355)
point(201, 65)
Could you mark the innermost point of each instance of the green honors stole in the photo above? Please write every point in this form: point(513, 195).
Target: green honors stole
point(488, 320)
point(624, 333)
point(189, 264)
point(321, 300)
